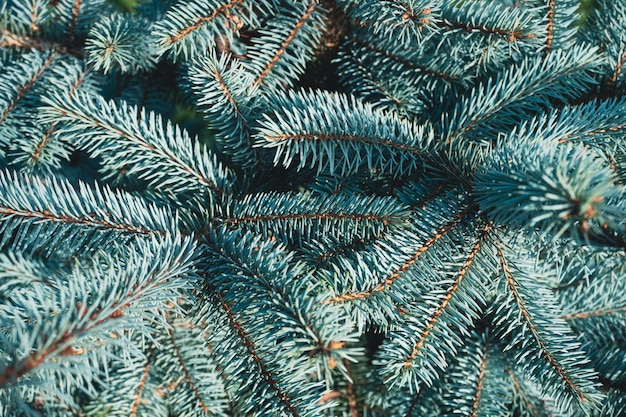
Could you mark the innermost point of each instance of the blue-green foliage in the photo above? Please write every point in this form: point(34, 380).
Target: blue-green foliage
point(121, 42)
point(381, 208)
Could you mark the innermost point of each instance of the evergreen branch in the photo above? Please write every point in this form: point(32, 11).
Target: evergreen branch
point(604, 29)
point(476, 385)
point(615, 404)
point(44, 141)
point(288, 40)
point(506, 98)
point(613, 129)
point(296, 217)
point(550, 26)
point(142, 384)
point(406, 21)
point(265, 373)
point(36, 147)
point(53, 210)
point(439, 312)
point(9, 39)
point(417, 194)
point(345, 138)
point(106, 305)
point(193, 383)
point(27, 200)
point(414, 401)
point(222, 87)
point(18, 272)
point(444, 303)
point(576, 197)
point(22, 88)
point(546, 345)
point(320, 336)
point(164, 155)
point(520, 394)
point(213, 354)
point(511, 35)
point(588, 314)
point(221, 10)
point(34, 17)
point(186, 373)
point(439, 233)
point(191, 28)
point(494, 31)
point(328, 132)
point(529, 322)
point(360, 82)
point(133, 386)
point(594, 305)
point(306, 217)
point(598, 124)
point(408, 63)
point(361, 269)
point(283, 47)
point(120, 42)
point(479, 384)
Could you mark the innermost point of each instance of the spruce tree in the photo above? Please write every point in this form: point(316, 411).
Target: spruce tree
point(312, 208)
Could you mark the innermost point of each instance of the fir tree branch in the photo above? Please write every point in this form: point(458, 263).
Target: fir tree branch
point(403, 61)
point(43, 142)
point(344, 138)
point(361, 81)
point(610, 130)
point(439, 233)
point(297, 217)
point(556, 360)
point(479, 384)
point(21, 90)
point(612, 81)
point(283, 47)
point(520, 393)
point(222, 86)
point(508, 34)
point(187, 376)
point(142, 384)
point(110, 297)
point(223, 10)
point(587, 314)
point(264, 371)
point(53, 210)
point(450, 292)
point(9, 39)
point(325, 131)
point(414, 401)
point(475, 384)
point(165, 156)
point(550, 26)
point(406, 21)
point(529, 322)
point(191, 28)
point(507, 97)
point(279, 56)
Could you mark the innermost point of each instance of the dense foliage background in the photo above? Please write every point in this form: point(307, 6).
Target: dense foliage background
point(312, 208)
